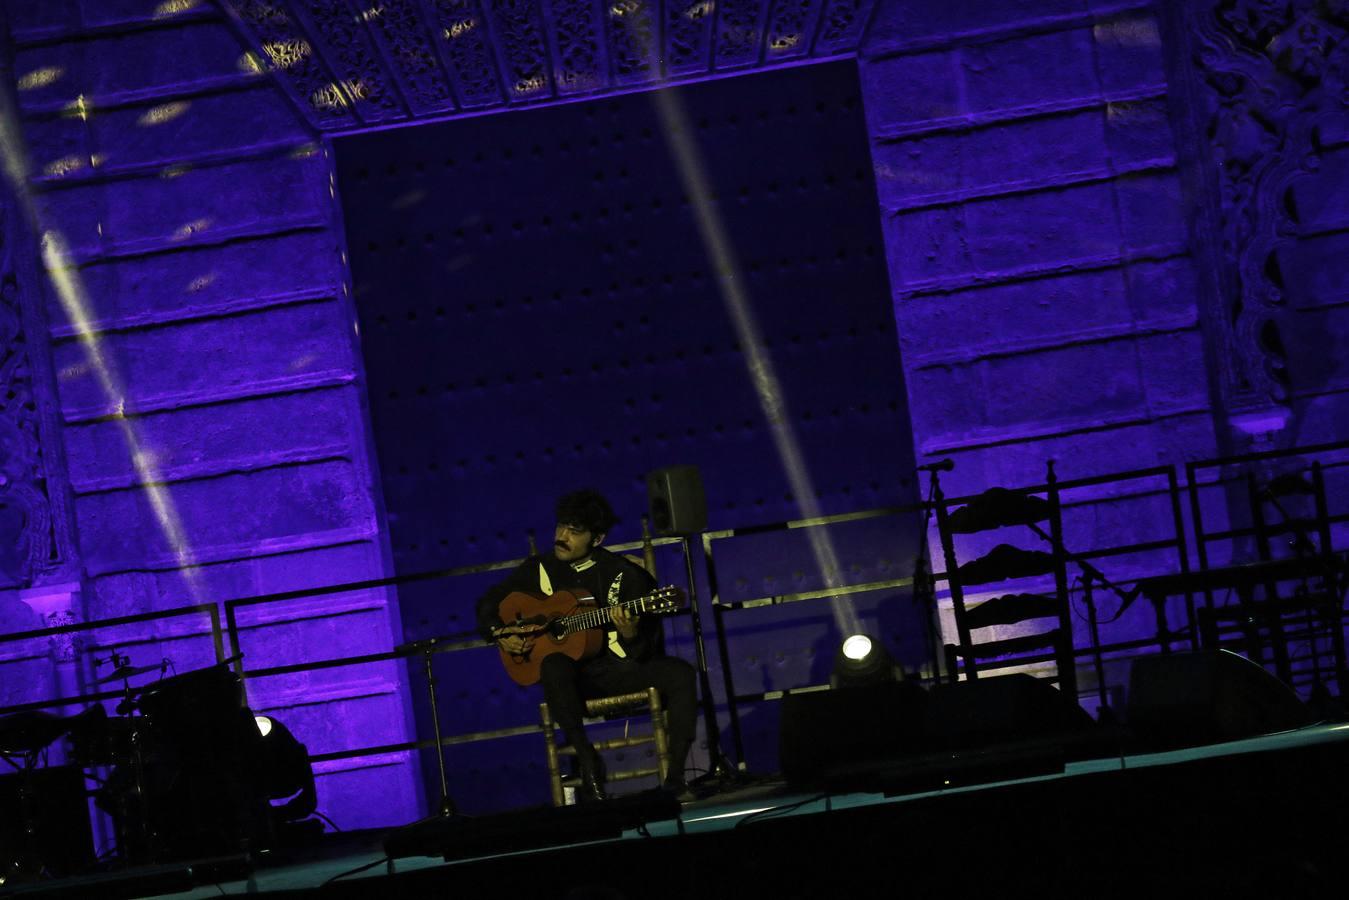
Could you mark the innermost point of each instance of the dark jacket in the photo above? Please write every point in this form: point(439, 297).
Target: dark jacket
point(633, 581)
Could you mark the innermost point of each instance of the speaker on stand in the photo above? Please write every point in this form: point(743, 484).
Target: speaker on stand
point(678, 508)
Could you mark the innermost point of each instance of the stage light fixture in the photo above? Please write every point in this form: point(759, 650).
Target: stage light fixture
point(284, 772)
point(861, 660)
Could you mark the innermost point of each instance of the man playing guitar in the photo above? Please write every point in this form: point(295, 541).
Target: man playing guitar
point(634, 658)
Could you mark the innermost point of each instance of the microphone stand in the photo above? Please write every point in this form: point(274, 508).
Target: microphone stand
point(924, 584)
point(427, 648)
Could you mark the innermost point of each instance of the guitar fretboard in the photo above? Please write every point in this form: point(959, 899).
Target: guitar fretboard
point(602, 615)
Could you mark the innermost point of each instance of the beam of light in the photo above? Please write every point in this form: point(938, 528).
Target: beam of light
point(69, 290)
point(678, 134)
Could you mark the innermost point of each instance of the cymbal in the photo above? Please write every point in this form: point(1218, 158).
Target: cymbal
point(125, 672)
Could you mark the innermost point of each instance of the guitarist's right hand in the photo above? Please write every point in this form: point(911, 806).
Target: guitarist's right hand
point(515, 644)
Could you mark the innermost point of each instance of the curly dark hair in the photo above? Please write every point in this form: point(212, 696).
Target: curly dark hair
point(586, 508)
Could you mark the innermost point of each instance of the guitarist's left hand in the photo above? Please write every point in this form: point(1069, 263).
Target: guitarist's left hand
point(625, 622)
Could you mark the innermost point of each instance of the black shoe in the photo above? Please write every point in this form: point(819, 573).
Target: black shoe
point(591, 765)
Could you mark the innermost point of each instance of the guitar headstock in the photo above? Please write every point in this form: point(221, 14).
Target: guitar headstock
point(664, 600)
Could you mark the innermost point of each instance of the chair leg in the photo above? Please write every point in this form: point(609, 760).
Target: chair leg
point(661, 735)
point(550, 749)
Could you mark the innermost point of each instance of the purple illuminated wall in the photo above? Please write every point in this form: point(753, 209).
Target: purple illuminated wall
point(204, 240)
point(1114, 234)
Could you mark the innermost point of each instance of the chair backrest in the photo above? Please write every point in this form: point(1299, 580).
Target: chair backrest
point(994, 509)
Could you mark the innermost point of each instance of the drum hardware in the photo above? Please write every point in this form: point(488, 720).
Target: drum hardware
point(26, 736)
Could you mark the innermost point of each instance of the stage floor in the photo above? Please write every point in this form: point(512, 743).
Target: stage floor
point(1213, 809)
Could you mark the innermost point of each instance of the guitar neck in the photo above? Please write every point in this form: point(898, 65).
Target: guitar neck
point(602, 615)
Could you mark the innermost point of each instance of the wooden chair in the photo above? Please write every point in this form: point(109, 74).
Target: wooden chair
point(599, 710)
point(602, 709)
point(1002, 508)
point(1294, 598)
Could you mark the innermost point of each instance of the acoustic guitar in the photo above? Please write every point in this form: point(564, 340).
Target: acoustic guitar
point(567, 621)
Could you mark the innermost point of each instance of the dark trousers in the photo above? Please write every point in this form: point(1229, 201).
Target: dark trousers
point(567, 684)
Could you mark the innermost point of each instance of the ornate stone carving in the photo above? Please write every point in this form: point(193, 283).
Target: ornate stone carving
point(579, 65)
point(632, 40)
point(688, 34)
point(789, 29)
point(356, 61)
point(349, 46)
point(459, 25)
point(272, 27)
point(399, 26)
point(29, 543)
point(737, 32)
point(1268, 69)
point(519, 35)
point(841, 25)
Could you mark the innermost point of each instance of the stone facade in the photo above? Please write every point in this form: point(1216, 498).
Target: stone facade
point(1115, 233)
point(206, 375)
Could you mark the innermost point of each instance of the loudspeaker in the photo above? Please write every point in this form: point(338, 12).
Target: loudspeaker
point(823, 734)
point(677, 505)
point(1183, 699)
point(1000, 710)
point(896, 737)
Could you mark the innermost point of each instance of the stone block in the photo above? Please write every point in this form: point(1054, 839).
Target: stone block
point(58, 147)
point(288, 638)
point(1030, 71)
point(140, 62)
point(1138, 131)
point(1129, 49)
point(926, 245)
point(1314, 270)
point(907, 90)
point(210, 124)
point(1078, 384)
point(176, 204)
point(371, 717)
point(32, 21)
point(899, 23)
point(207, 359)
point(1151, 211)
point(320, 566)
point(942, 399)
point(1165, 291)
point(75, 215)
point(175, 283)
point(983, 159)
point(1041, 228)
point(1026, 312)
point(231, 515)
point(213, 439)
point(1174, 372)
point(346, 786)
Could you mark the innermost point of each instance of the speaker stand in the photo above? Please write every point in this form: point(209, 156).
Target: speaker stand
point(720, 773)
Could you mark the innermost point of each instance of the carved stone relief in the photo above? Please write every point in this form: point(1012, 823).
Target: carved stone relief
point(397, 24)
point(33, 537)
point(463, 37)
point(579, 65)
point(291, 54)
point(519, 35)
point(351, 61)
point(1267, 70)
point(632, 40)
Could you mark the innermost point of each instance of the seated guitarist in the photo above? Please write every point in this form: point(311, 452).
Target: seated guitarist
point(635, 656)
